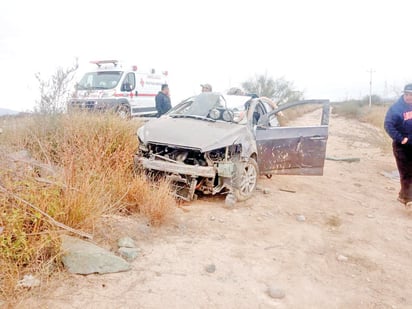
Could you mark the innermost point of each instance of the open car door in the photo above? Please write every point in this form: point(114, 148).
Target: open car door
point(292, 150)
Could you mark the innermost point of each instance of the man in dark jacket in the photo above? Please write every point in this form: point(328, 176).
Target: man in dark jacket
point(398, 124)
point(163, 101)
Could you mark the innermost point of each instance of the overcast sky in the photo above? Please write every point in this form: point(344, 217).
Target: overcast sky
point(324, 47)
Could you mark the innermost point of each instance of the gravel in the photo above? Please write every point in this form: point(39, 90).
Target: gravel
point(211, 268)
point(342, 258)
point(300, 218)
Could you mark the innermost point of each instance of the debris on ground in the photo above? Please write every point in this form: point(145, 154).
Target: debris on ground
point(349, 160)
point(287, 190)
point(28, 281)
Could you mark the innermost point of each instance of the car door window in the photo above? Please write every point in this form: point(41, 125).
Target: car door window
point(273, 120)
point(256, 113)
point(129, 82)
point(300, 115)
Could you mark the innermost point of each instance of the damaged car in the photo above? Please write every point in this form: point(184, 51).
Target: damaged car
point(213, 143)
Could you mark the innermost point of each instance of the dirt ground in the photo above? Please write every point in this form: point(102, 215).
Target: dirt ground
point(350, 211)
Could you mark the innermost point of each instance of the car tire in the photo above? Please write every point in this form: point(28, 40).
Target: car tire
point(123, 112)
point(245, 180)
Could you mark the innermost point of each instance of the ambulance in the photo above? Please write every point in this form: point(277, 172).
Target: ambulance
point(125, 90)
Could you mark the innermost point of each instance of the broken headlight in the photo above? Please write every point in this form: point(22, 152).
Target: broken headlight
point(214, 114)
point(228, 115)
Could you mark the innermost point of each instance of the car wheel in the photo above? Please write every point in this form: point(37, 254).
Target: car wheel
point(245, 179)
point(123, 112)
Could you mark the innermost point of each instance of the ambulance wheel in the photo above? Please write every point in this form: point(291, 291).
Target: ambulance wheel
point(123, 112)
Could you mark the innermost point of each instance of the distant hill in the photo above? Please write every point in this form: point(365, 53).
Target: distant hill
point(5, 111)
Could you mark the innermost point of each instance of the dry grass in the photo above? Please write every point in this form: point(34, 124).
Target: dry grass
point(374, 115)
point(349, 109)
point(92, 159)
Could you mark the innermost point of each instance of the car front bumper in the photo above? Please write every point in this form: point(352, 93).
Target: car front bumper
point(176, 168)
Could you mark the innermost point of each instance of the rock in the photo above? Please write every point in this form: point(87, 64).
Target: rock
point(300, 218)
point(342, 258)
point(212, 218)
point(126, 242)
point(28, 281)
point(259, 219)
point(211, 268)
point(221, 220)
point(371, 216)
point(266, 191)
point(276, 292)
point(230, 200)
point(82, 257)
point(130, 254)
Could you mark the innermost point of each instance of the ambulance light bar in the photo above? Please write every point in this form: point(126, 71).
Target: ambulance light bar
point(100, 62)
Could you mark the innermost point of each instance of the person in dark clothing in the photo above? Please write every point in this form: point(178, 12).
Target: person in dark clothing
point(163, 101)
point(398, 124)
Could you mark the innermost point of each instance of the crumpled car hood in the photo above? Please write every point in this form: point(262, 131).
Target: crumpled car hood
point(192, 133)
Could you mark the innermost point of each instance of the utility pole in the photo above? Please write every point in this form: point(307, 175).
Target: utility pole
point(371, 71)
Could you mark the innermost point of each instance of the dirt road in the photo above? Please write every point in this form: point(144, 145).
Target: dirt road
point(352, 249)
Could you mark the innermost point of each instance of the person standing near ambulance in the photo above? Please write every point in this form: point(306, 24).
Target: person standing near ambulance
point(163, 101)
point(398, 124)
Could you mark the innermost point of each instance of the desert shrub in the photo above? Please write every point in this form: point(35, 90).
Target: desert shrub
point(349, 109)
point(91, 156)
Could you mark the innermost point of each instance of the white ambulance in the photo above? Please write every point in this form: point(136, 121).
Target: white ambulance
point(128, 91)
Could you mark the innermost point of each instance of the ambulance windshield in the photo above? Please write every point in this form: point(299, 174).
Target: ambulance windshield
point(99, 80)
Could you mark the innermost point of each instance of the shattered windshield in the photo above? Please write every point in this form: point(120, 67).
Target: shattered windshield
point(214, 107)
point(99, 80)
